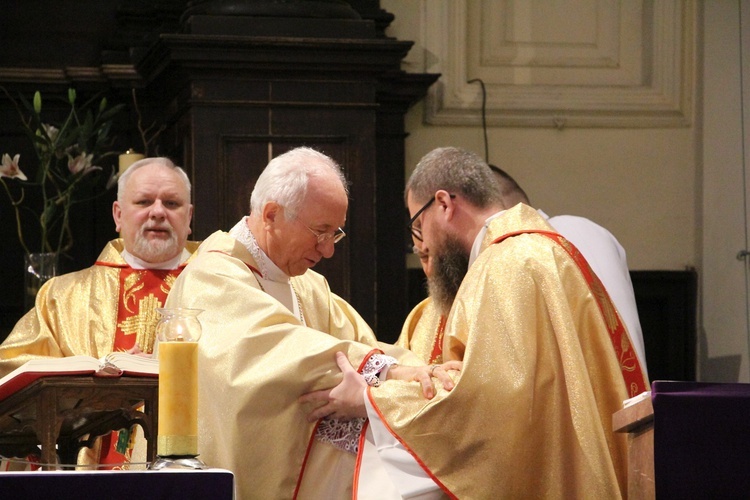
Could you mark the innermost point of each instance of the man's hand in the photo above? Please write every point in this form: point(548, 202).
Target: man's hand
point(136, 350)
point(345, 401)
point(424, 374)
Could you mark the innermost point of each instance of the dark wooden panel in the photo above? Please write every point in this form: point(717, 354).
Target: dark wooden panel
point(227, 144)
point(667, 309)
point(242, 161)
point(225, 102)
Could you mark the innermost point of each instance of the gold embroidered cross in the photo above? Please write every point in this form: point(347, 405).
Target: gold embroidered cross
point(143, 324)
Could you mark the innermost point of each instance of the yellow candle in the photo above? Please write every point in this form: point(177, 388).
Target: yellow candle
point(128, 158)
point(178, 399)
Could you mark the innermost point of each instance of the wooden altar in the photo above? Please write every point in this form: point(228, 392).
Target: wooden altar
point(72, 411)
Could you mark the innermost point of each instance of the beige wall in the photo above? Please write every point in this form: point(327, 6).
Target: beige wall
point(723, 332)
point(640, 183)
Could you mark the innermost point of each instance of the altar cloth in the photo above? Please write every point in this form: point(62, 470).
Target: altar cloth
point(701, 439)
point(165, 484)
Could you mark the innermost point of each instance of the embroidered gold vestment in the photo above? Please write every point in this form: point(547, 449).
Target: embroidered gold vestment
point(423, 332)
point(531, 413)
point(255, 359)
point(77, 313)
point(105, 308)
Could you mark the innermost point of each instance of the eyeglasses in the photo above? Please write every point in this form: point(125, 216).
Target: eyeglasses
point(417, 231)
point(323, 238)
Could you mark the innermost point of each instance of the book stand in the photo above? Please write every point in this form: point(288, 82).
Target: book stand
point(72, 411)
point(638, 422)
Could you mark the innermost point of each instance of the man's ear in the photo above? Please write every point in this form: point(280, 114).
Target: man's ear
point(116, 215)
point(190, 218)
point(271, 211)
point(445, 203)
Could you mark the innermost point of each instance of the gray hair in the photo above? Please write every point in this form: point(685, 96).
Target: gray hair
point(159, 160)
point(457, 171)
point(285, 179)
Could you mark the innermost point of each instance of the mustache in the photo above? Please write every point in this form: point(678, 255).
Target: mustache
point(156, 226)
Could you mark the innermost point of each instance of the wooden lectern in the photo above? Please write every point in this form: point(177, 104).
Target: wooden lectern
point(72, 411)
point(638, 421)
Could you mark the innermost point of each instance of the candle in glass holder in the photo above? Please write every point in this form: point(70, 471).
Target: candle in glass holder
point(178, 332)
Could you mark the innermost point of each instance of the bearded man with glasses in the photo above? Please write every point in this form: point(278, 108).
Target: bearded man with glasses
point(546, 358)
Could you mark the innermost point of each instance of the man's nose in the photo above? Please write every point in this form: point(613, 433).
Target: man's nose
point(157, 210)
point(327, 248)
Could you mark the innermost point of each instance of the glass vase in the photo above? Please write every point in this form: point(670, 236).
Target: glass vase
point(38, 268)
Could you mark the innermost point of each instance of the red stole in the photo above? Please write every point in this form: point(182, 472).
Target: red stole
point(142, 291)
point(629, 364)
point(436, 355)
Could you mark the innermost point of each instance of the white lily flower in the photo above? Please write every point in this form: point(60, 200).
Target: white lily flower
point(81, 163)
point(51, 131)
point(10, 168)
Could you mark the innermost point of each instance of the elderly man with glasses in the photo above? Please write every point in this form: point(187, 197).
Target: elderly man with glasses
point(271, 332)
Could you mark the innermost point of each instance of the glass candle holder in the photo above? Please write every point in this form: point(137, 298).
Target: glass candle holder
point(178, 332)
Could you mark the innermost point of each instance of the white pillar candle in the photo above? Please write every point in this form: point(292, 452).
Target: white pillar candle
point(128, 158)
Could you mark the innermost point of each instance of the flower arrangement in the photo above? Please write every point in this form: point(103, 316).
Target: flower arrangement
point(67, 155)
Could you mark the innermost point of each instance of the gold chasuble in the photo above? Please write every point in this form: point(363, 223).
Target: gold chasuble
point(95, 311)
point(423, 332)
point(255, 359)
point(531, 413)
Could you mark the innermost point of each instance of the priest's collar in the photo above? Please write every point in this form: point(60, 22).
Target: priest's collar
point(267, 268)
point(477, 246)
point(137, 263)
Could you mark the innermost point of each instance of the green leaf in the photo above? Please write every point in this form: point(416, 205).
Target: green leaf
point(86, 130)
point(110, 113)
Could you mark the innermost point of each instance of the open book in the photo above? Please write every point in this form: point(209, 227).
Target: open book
point(112, 365)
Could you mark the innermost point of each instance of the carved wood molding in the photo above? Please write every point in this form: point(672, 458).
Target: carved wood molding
point(590, 63)
point(118, 75)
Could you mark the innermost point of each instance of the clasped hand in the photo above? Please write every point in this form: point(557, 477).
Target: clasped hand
point(346, 400)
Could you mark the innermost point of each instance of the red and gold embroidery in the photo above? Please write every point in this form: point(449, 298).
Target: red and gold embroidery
point(131, 285)
point(629, 364)
point(436, 356)
point(142, 291)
